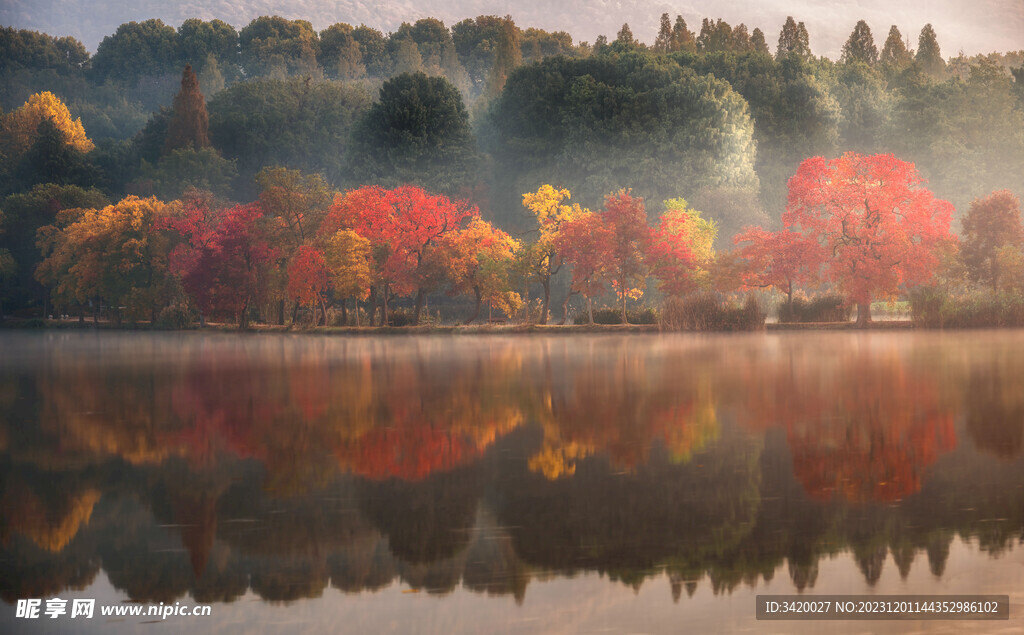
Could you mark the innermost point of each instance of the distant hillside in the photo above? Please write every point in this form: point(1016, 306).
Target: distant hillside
point(973, 26)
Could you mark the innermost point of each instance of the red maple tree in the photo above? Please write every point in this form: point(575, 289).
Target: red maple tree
point(584, 243)
point(308, 280)
point(779, 259)
point(403, 224)
point(222, 263)
point(877, 224)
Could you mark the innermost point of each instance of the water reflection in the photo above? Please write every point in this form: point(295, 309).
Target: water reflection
point(213, 466)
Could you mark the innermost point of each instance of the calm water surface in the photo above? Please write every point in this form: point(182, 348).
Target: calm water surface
point(507, 484)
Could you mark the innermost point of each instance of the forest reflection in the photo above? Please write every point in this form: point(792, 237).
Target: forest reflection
point(212, 466)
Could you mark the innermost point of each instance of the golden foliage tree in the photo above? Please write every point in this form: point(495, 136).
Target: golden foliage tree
point(18, 127)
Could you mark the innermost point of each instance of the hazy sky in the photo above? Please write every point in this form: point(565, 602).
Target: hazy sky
point(972, 26)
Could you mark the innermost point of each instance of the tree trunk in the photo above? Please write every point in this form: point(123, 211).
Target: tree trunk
point(384, 308)
point(565, 307)
point(202, 320)
point(81, 314)
point(625, 320)
point(243, 317)
point(419, 307)
point(372, 303)
point(295, 313)
point(547, 299)
point(344, 312)
point(280, 312)
point(476, 310)
point(590, 309)
point(863, 314)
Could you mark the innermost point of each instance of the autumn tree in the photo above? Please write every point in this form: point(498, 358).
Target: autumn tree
point(477, 260)
point(551, 209)
point(629, 245)
point(18, 128)
point(189, 125)
point(308, 280)
point(683, 248)
point(584, 242)
point(223, 260)
point(991, 223)
point(860, 47)
point(114, 254)
point(876, 222)
point(781, 259)
point(403, 226)
point(682, 37)
point(348, 258)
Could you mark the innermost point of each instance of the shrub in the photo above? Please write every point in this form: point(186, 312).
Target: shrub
point(399, 317)
point(831, 307)
point(705, 312)
point(639, 316)
point(175, 316)
point(936, 308)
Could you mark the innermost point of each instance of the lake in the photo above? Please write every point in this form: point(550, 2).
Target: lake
point(614, 483)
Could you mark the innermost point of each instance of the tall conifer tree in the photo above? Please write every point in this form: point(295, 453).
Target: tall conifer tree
point(189, 125)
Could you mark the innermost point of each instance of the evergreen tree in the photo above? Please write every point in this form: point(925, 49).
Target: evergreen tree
point(625, 36)
point(507, 57)
point(793, 39)
point(189, 125)
point(757, 42)
point(663, 43)
point(861, 46)
point(682, 37)
point(895, 52)
point(928, 54)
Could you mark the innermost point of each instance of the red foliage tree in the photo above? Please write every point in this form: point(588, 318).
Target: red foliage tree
point(991, 222)
point(778, 259)
point(223, 259)
point(629, 246)
point(584, 243)
point(876, 223)
point(308, 280)
point(403, 224)
point(673, 259)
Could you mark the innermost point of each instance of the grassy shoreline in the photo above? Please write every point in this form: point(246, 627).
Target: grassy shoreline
point(473, 329)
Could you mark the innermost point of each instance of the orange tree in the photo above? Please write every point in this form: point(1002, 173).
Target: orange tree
point(404, 225)
point(584, 243)
point(877, 224)
point(991, 223)
point(630, 244)
point(778, 259)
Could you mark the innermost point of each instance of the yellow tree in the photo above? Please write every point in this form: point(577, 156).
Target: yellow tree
point(116, 254)
point(18, 127)
point(681, 225)
point(552, 210)
point(348, 256)
point(478, 259)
